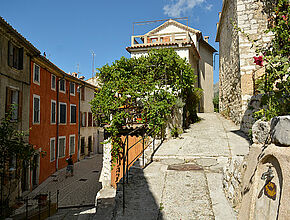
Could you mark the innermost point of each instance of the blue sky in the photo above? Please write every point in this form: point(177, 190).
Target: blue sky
point(68, 31)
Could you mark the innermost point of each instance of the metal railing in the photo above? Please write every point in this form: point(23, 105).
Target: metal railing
point(126, 148)
point(175, 37)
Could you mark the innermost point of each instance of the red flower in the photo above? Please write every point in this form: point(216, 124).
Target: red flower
point(258, 60)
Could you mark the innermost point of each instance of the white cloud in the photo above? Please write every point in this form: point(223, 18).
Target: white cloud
point(181, 6)
point(209, 7)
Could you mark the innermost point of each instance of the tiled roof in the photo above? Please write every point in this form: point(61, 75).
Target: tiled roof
point(17, 34)
point(156, 45)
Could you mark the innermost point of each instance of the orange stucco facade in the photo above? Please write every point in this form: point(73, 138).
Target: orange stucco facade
point(43, 132)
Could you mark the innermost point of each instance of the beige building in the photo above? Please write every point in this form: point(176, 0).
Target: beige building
point(188, 43)
point(237, 71)
point(91, 135)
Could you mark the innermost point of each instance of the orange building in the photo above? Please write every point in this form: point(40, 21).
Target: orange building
point(53, 118)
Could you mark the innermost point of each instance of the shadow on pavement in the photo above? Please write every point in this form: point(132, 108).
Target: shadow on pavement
point(140, 203)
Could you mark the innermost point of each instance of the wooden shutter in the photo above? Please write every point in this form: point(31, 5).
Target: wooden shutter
point(10, 54)
point(85, 119)
point(8, 99)
point(20, 59)
point(20, 105)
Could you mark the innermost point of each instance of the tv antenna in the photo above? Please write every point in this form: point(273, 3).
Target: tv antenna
point(93, 64)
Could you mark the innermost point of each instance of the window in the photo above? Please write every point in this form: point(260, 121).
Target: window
point(62, 113)
point(15, 56)
point(73, 113)
point(90, 119)
point(62, 85)
point(14, 101)
point(61, 146)
point(36, 109)
point(53, 82)
point(36, 74)
point(72, 144)
point(72, 88)
point(83, 93)
point(53, 112)
point(83, 119)
point(82, 145)
point(52, 149)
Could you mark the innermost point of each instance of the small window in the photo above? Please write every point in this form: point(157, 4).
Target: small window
point(84, 119)
point(72, 143)
point(61, 146)
point(36, 109)
point(53, 112)
point(52, 149)
point(83, 93)
point(15, 56)
point(72, 88)
point(73, 113)
point(13, 100)
point(62, 113)
point(36, 74)
point(62, 85)
point(53, 82)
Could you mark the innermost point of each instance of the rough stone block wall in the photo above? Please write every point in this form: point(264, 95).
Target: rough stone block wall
point(229, 78)
point(252, 19)
point(237, 68)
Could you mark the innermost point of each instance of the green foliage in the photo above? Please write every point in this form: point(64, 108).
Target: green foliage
point(13, 147)
point(175, 131)
point(150, 85)
point(216, 102)
point(275, 83)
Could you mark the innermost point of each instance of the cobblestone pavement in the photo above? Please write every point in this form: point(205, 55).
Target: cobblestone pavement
point(184, 181)
point(77, 191)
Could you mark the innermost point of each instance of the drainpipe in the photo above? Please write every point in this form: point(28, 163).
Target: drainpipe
point(79, 124)
point(57, 122)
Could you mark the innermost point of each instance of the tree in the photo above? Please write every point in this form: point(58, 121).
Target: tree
point(13, 151)
point(151, 84)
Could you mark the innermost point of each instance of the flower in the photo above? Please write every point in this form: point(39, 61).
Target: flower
point(258, 60)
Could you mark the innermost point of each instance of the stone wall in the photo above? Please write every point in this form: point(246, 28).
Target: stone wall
point(229, 70)
point(237, 68)
point(244, 184)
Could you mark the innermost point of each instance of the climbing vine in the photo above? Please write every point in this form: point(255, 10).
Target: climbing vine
point(274, 57)
point(275, 83)
point(150, 85)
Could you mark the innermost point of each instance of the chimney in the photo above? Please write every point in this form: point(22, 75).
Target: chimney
point(74, 74)
point(206, 38)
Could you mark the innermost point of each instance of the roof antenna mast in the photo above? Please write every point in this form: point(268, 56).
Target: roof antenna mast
point(93, 64)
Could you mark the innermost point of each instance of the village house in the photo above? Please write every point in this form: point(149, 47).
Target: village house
point(237, 70)
point(89, 141)
point(16, 54)
point(53, 123)
point(188, 43)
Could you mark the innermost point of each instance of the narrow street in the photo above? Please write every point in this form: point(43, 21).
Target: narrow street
point(184, 181)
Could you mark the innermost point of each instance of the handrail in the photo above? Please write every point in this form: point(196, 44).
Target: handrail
point(126, 148)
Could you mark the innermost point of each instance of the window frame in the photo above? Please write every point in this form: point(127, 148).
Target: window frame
point(33, 122)
point(52, 139)
point(59, 115)
point(51, 122)
point(71, 153)
point(61, 137)
point(74, 90)
point(53, 77)
point(34, 81)
point(71, 114)
point(62, 91)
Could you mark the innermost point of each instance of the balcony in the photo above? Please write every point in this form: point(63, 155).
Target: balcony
point(157, 39)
